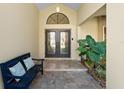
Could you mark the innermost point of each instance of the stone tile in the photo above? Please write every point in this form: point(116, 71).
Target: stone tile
point(70, 86)
point(60, 80)
point(63, 64)
point(59, 84)
point(64, 79)
point(85, 86)
point(51, 86)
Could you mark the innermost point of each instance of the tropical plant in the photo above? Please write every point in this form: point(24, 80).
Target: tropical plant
point(101, 71)
point(93, 50)
point(95, 53)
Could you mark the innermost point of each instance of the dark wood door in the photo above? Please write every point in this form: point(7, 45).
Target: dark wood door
point(57, 43)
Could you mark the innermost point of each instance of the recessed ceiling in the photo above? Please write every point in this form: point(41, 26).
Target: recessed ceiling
point(73, 6)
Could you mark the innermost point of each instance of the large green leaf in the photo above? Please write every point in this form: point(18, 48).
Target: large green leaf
point(101, 48)
point(93, 56)
point(97, 47)
point(90, 40)
point(81, 49)
point(82, 42)
point(93, 50)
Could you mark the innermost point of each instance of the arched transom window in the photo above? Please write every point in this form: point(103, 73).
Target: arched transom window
point(57, 18)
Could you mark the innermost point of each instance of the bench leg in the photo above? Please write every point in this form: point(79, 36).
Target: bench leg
point(42, 69)
point(42, 72)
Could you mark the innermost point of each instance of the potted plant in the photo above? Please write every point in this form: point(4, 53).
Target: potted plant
point(94, 53)
point(93, 50)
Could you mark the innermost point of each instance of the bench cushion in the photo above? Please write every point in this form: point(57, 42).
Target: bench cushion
point(17, 70)
point(28, 63)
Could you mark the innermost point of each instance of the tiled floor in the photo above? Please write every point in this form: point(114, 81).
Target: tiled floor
point(65, 65)
point(64, 75)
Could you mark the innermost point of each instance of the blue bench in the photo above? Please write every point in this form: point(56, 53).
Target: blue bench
point(25, 80)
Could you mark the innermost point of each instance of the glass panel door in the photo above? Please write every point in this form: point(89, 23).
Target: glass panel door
point(64, 43)
point(51, 44)
point(57, 43)
point(50, 48)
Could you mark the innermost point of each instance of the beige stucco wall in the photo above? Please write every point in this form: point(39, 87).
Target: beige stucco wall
point(89, 27)
point(88, 9)
point(71, 14)
point(18, 31)
point(101, 25)
point(91, 19)
point(115, 46)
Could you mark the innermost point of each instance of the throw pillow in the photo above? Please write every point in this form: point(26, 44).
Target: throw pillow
point(17, 70)
point(29, 63)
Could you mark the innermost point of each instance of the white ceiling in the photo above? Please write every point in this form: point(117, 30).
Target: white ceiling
point(73, 6)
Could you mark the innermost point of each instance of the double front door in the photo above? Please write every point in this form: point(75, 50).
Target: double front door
point(57, 43)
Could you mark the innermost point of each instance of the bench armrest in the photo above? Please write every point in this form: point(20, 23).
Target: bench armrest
point(41, 60)
point(35, 59)
point(39, 66)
